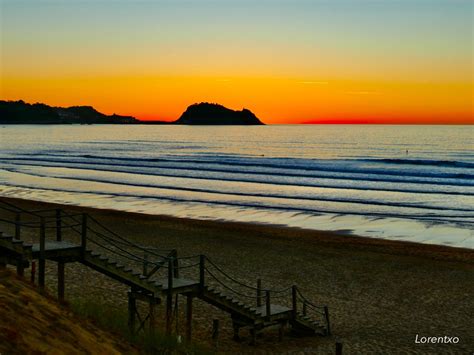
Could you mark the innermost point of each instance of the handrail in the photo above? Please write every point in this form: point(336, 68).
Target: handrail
point(124, 240)
point(118, 245)
point(306, 300)
point(121, 240)
point(227, 287)
point(113, 242)
point(230, 277)
point(158, 265)
point(130, 256)
point(273, 291)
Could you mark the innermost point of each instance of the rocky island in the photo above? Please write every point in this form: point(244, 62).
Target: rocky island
point(215, 114)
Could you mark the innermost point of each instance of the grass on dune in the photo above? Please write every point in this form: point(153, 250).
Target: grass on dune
point(116, 320)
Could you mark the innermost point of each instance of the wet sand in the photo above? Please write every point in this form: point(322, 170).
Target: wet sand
point(380, 293)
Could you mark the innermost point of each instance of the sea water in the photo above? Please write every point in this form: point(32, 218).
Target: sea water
point(413, 183)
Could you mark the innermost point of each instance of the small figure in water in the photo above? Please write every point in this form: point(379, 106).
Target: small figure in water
point(407, 151)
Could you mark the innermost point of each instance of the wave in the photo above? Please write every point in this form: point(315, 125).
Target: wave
point(310, 165)
point(425, 162)
point(239, 176)
point(276, 170)
point(427, 217)
point(289, 163)
point(265, 195)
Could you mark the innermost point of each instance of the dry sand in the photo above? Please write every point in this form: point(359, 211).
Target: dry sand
point(380, 294)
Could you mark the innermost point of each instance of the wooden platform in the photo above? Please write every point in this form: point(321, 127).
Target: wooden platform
point(179, 285)
point(55, 249)
point(275, 310)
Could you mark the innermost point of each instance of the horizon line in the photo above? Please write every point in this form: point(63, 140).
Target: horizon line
point(322, 121)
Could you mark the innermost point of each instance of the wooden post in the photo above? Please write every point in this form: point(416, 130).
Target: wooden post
point(294, 300)
point(202, 259)
point(33, 271)
point(59, 237)
point(259, 292)
point(60, 281)
point(326, 314)
point(18, 226)
point(338, 348)
point(42, 259)
point(84, 234)
point(176, 266)
point(189, 317)
point(236, 327)
point(152, 315)
point(267, 304)
point(132, 307)
point(20, 270)
point(253, 336)
point(145, 263)
point(176, 313)
point(281, 331)
point(59, 230)
point(169, 297)
point(215, 333)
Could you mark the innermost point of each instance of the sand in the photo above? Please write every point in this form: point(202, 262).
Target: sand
point(380, 293)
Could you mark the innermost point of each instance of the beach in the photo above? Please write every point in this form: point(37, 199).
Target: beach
point(381, 294)
point(325, 178)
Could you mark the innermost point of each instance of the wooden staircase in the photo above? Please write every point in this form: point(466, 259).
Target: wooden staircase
point(306, 325)
point(248, 312)
point(12, 246)
point(119, 272)
point(228, 304)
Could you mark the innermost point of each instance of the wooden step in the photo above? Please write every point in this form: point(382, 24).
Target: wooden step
point(118, 272)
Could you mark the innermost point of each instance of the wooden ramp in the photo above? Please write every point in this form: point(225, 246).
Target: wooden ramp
point(100, 248)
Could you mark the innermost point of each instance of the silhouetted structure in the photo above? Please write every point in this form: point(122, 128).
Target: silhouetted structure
point(214, 114)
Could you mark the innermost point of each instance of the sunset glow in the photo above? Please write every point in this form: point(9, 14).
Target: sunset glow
point(289, 62)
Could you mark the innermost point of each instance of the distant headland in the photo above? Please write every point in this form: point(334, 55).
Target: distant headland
point(19, 112)
point(214, 114)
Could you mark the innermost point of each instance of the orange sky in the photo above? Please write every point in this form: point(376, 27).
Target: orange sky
point(295, 62)
point(273, 100)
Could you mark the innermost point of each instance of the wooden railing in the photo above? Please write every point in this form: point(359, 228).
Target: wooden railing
point(150, 260)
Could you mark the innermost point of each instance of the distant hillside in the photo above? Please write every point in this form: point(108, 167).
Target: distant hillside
point(214, 114)
point(19, 112)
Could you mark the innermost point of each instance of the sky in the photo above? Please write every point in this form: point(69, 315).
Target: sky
point(288, 61)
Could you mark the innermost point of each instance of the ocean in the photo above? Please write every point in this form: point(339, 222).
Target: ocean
point(412, 183)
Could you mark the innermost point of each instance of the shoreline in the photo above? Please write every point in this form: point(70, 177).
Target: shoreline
point(380, 293)
point(329, 238)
